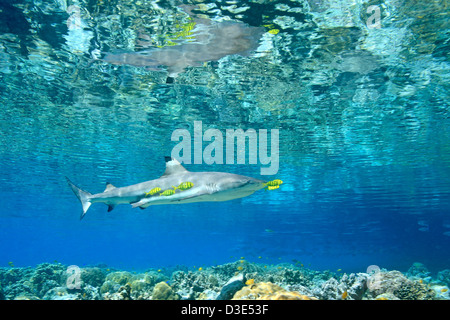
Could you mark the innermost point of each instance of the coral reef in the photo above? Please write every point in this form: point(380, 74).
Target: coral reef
point(236, 280)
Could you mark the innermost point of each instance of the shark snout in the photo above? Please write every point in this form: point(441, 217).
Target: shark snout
point(252, 184)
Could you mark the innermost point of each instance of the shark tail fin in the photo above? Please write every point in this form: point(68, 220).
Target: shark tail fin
point(82, 195)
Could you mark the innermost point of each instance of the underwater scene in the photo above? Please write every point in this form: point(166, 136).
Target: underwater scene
point(224, 150)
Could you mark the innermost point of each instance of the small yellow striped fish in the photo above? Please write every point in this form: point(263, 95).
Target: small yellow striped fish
point(167, 193)
point(184, 186)
point(186, 30)
point(274, 183)
point(153, 192)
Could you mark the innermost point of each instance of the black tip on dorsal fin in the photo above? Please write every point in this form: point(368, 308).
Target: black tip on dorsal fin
point(173, 166)
point(109, 187)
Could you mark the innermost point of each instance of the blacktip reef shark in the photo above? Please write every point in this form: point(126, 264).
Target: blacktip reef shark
point(176, 186)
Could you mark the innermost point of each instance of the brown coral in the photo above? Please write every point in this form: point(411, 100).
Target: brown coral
point(163, 291)
point(268, 291)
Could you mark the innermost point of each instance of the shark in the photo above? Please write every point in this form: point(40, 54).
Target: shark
point(198, 187)
point(207, 40)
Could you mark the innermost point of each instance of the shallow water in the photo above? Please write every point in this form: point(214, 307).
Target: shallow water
point(362, 112)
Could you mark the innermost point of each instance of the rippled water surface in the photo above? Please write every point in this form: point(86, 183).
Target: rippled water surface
point(93, 90)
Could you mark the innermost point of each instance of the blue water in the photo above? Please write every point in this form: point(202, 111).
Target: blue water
point(363, 116)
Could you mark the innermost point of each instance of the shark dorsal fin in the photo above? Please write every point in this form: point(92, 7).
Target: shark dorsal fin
point(173, 166)
point(109, 187)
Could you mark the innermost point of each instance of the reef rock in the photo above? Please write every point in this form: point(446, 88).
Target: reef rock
point(328, 290)
point(355, 285)
point(231, 287)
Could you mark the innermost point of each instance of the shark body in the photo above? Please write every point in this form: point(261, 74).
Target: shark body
point(207, 186)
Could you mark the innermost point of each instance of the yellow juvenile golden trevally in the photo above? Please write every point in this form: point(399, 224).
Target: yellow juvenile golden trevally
point(153, 191)
point(168, 192)
point(274, 183)
point(184, 186)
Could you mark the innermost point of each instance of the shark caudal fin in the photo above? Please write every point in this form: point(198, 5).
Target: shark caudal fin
point(82, 195)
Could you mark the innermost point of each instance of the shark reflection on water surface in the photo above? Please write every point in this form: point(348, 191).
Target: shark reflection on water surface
point(209, 41)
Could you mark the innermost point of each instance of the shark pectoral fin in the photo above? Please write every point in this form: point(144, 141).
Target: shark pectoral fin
point(111, 207)
point(141, 204)
point(191, 197)
point(182, 199)
point(137, 204)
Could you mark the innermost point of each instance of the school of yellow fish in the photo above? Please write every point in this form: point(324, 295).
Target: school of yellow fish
point(271, 185)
